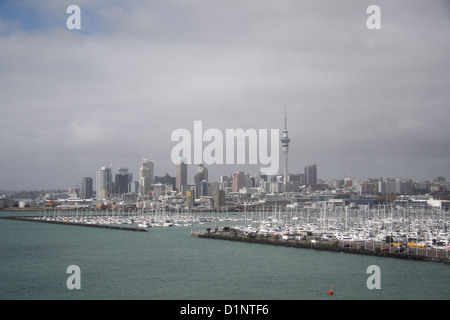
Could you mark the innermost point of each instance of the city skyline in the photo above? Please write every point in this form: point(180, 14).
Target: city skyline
point(361, 103)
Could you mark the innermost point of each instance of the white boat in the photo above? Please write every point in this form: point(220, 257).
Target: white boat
point(167, 224)
point(143, 225)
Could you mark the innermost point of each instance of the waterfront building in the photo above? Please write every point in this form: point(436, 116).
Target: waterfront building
point(159, 189)
point(391, 186)
point(311, 175)
point(86, 188)
point(403, 186)
point(203, 190)
point(238, 181)
point(104, 183)
point(219, 198)
point(201, 175)
point(224, 182)
point(146, 176)
point(122, 181)
point(299, 178)
point(190, 197)
point(181, 178)
point(134, 187)
point(167, 180)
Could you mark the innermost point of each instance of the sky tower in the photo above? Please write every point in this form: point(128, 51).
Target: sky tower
point(285, 142)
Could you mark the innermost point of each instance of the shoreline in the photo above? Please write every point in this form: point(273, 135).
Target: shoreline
point(334, 246)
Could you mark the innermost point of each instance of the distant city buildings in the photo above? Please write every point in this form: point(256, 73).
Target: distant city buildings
point(146, 177)
point(87, 188)
point(181, 177)
point(238, 181)
point(311, 175)
point(201, 180)
point(239, 191)
point(122, 181)
point(293, 189)
point(219, 198)
point(166, 180)
point(104, 183)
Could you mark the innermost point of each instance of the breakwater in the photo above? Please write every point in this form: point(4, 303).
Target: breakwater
point(103, 226)
point(333, 246)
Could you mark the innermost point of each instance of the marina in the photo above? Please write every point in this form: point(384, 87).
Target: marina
point(387, 230)
point(169, 263)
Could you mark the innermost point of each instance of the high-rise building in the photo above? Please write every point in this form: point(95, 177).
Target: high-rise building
point(311, 175)
point(285, 143)
point(104, 183)
point(166, 180)
point(146, 176)
point(159, 189)
point(298, 178)
point(134, 187)
point(219, 198)
point(224, 182)
point(181, 178)
point(190, 200)
point(86, 188)
point(122, 181)
point(203, 190)
point(238, 181)
point(201, 175)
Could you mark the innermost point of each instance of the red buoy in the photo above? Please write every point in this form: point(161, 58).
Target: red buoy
point(331, 291)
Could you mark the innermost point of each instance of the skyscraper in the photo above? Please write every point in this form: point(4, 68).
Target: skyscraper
point(311, 175)
point(167, 180)
point(146, 176)
point(104, 183)
point(86, 188)
point(181, 178)
point(202, 174)
point(285, 143)
point(238, 181)
point(219, 198)
point(122, 181)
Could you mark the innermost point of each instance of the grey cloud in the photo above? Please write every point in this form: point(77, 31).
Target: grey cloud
point(360, 102)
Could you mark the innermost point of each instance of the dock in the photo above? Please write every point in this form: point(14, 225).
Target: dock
point(102, 226)
point(332, 246)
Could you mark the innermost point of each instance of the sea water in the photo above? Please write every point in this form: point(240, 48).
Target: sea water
point(166, 263)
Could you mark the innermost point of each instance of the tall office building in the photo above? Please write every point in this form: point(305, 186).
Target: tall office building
point(224, 182)
point(181, 178)
point(285, 143)
point(219, 198)
point(311, 175)
point(104, 183)
point(238, 181)
point(166, 180)
point(122, 181)
point(201, 175)
point(86, 188)
point(146, 176)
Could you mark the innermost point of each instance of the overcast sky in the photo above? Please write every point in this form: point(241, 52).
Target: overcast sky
point(361, 103)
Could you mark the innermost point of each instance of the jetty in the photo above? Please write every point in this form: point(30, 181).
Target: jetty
point(352, 247)
point(68, 223)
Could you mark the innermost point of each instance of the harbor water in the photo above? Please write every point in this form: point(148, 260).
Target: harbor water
point(166, 263)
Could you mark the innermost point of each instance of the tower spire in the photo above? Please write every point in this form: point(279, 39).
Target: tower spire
point(285, 143)
point(285, 116)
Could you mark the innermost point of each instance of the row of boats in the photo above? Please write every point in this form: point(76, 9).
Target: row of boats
point(439, 240)
point(139, 220)
point(414, 228)
point(424, 229)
